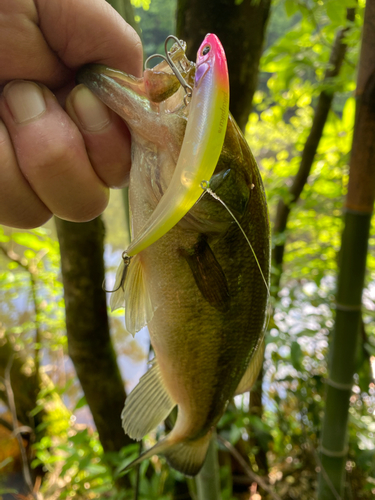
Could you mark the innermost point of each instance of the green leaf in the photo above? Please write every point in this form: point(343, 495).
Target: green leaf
point(291, 7)
point(80, 403)
point(296, 355)
point(335, 11)
point(3, 491)
point(6, 462)
point(348, 114)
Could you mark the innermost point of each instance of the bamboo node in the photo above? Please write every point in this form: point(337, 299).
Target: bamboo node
point(338, 385)
point(331, 453)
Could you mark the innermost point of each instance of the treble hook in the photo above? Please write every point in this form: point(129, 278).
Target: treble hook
point(167, 58)
point(126, 260)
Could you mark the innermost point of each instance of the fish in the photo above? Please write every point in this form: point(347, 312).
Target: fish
point(201, 288)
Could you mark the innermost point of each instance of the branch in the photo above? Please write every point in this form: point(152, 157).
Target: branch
point(246, 468)
point(14, 258)
point(308, 155)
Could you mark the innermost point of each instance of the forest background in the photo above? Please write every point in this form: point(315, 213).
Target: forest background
point(298, 114)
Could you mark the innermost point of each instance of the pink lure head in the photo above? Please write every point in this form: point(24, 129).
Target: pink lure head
point(211, 53)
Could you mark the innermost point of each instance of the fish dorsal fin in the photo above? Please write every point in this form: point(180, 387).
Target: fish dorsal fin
point(132, 292)
point(208, 274)
point(147, 405)
point(252, 370)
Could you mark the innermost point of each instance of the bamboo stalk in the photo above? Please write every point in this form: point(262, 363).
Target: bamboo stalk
point(208, 479)
point(348, 315)
point(359, 207)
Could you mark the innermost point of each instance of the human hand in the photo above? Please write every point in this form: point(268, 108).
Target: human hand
point(53, 161)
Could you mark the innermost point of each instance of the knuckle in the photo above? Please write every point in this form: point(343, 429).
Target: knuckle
point(52, 158)
point(90, 210)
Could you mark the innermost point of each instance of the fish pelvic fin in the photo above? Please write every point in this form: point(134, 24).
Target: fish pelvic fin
point(252, 371)
point(185, 456)
point(131, 291)
point(147, 405)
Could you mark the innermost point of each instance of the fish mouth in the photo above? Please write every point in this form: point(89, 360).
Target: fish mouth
point(121, 92)
point(99, 74)
point(114, 87)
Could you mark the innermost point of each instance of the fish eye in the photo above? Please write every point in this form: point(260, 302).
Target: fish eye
point(206, 50)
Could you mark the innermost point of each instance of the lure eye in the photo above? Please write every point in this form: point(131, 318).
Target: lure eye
point(206, 50)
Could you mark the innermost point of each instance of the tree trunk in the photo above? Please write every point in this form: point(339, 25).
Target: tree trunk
point(89, 342)
point(241, 28)
point(358, 212)
point(25, 383)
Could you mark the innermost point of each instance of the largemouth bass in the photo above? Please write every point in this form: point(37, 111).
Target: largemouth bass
point(199, 287)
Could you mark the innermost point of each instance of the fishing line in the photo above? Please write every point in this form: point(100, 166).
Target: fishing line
point(206, 187)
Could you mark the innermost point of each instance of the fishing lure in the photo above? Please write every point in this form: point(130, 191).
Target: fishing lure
point(201, 147)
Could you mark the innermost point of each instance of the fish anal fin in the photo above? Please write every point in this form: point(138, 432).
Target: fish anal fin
point(186, 456)
point(208, 274)
point(252, 371)
point(147, 405)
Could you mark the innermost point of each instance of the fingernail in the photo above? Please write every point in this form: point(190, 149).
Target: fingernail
point(25, 100)
point(92, 113)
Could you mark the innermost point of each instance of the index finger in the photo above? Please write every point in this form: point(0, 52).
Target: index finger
point(90, 31)
point(47, 40)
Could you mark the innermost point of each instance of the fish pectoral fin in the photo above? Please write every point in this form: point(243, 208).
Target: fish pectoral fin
point(132, 292)
point(185, 456)
point(252, 371)
point(147, 405)
point(208, 274)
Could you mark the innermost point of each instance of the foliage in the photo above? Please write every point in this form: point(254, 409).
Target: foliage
point(32, 306)
point(157, 21)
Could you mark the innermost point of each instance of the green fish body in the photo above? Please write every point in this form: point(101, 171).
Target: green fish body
point(198, 288)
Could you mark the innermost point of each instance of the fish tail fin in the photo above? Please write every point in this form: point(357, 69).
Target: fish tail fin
point(188, 456)
point(185, 456)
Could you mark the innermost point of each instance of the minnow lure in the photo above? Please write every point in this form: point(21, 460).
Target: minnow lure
point(201, 147)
